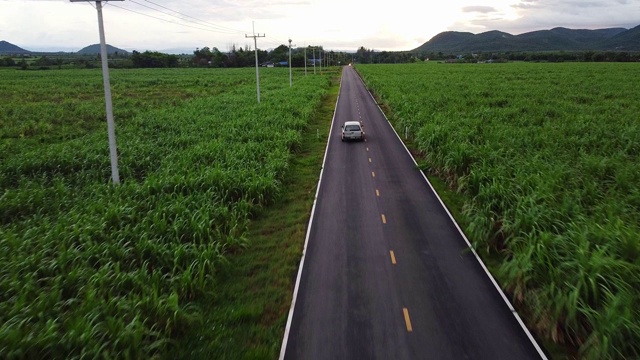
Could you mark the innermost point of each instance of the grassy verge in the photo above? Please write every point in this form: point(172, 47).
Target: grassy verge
point(245, 319)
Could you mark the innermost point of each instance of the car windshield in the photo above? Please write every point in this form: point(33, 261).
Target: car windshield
point(352, 128)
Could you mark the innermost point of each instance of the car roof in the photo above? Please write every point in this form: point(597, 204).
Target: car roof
point(351, 123)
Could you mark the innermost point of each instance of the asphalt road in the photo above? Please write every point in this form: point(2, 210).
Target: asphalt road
point(386, 273)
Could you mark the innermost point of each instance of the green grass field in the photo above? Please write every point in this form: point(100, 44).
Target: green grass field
point(96, 270)
point(194, 255)
point(545, 158)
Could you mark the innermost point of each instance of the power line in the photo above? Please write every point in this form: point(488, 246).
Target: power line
point(191, 17)
point(273, 43)
point(280, 41)
point(212, 27)
point(165, 20)
point(181, 19)
point(197, 24)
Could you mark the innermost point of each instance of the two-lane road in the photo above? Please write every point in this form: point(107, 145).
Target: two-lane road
point(386, 273)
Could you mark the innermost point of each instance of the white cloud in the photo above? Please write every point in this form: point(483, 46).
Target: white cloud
point(480, 9)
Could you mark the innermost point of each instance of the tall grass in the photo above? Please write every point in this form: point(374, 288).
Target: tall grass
point(93, 270)
point(546, 155)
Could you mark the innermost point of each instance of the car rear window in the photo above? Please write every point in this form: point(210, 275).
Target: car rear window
point(352, 128)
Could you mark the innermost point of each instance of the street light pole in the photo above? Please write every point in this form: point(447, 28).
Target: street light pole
point(290, 75)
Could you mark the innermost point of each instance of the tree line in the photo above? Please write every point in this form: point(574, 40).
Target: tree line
point(205, 57)
point(314, 55)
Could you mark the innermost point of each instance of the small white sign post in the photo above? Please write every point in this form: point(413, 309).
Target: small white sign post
point(111, 128)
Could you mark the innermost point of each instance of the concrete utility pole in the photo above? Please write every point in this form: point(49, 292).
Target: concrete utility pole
point(314, 60)
point(111, 127)
point(305, 61)
point(255, 44)
point(290, 75)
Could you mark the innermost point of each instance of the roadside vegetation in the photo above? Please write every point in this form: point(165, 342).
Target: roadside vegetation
point(545, 160)
point(235, 57)
point(95, 270)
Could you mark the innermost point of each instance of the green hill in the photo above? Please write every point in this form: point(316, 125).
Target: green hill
point(556, 39)
point(627, 40)
point(7, 48)
point(95, 49)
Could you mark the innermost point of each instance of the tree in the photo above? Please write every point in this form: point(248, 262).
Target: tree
point(281, 53)
point(23, 64)
point(153, 59)
point(202, 57)
point(7, 61)
point(363, 55)
point(44, 61)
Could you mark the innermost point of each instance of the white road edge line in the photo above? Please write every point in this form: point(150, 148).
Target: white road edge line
point(283, 348)
point(493, 280)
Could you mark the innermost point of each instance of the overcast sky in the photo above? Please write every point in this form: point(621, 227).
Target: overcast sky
point(393, 25)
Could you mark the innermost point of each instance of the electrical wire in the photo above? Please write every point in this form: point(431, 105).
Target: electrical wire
point(181, 19)
point(191, 17)
point(200, 23)
point(161, 19)
point(197, 24)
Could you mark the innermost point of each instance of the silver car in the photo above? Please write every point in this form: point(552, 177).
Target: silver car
point(352, 130)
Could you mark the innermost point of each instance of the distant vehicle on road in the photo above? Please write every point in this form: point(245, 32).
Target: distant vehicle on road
point(352, 130)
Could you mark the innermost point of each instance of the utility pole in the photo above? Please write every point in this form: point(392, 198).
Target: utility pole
point(111, 127)
point(255, 44)
point(290, 75)
point(314, 60)
point(305, 61)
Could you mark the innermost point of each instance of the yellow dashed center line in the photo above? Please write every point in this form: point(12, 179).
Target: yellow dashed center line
point(377, 192)
point(367, 149)
point(373, 174)
point(384, 219)
point(407, 320)
point(393, 257)
point(369, 159)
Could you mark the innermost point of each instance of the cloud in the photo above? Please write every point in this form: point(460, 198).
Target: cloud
point(479, 9)
point(529, 15)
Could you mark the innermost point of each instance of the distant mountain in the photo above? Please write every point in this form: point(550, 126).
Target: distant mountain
point(556, 39)
point(95, 49)
point(7, 48)
point(627, 40)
